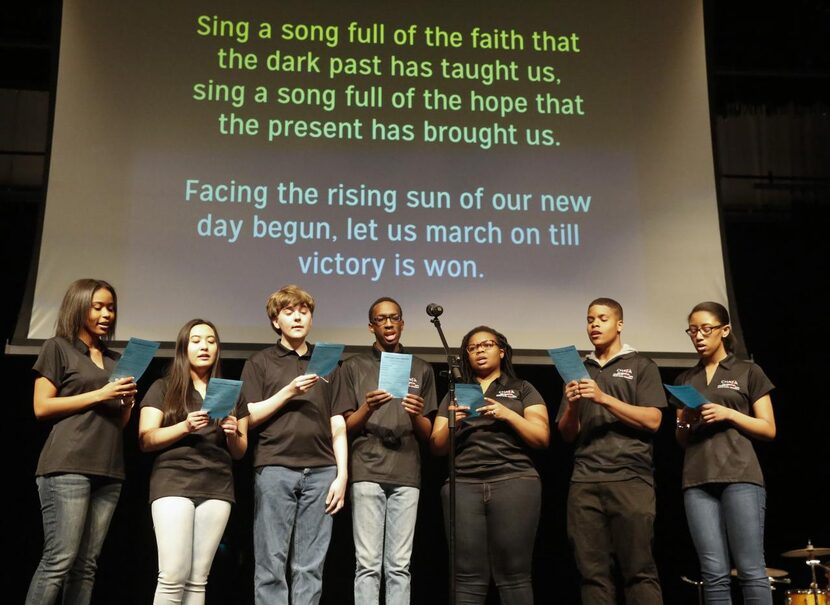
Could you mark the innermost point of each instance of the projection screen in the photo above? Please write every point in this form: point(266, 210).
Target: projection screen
point(509, 162)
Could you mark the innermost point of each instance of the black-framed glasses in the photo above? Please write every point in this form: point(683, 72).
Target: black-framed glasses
point(705, 330)
point(379, 320)
point(485, 345)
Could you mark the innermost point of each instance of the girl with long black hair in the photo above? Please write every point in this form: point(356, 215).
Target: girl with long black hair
point(191, 485)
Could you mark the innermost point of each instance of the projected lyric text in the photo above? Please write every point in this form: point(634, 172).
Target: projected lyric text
point(482, 87)
point(430, 227)
point(363, 85)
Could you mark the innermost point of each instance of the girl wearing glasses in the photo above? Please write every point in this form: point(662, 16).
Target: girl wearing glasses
point(191, 485)
point(723, 487)
point(498, 489)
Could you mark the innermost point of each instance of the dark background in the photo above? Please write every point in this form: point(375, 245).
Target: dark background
point(769, 97)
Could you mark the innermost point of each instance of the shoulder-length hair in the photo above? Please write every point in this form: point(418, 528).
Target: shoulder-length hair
point(179, 383)
point(77, 302)
point(506, 365)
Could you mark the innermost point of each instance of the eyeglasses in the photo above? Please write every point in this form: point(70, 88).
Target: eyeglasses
point(705, 330)
point(485, 345)
point(379, 320)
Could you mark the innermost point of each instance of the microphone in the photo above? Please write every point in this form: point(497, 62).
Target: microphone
point(455, 370)
point(434, 310)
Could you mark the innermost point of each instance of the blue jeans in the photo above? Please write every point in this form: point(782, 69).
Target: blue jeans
point(290, 513)
point(724, 518)
point(77, 511)
point(383, 524)
point(494, 536)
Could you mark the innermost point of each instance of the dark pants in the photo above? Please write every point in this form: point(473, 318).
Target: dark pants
point(495, 531)
point(614, 520)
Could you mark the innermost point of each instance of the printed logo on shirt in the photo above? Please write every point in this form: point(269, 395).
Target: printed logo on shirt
point(626, 373)
point(729, 384)
point(509, 393)
point(413, 384)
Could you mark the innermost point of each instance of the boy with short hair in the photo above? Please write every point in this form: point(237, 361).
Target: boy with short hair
point(300, 457)
point(611, 417)
point(385, 457)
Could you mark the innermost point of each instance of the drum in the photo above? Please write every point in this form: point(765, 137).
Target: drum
point(806, 597)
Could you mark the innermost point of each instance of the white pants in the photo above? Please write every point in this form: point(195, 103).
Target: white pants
point(187, 536)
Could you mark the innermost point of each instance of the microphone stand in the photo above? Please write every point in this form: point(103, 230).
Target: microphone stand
point(699, 586)
point(453, 376)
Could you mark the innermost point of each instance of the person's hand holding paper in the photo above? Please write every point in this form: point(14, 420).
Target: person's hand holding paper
point(324, 358)
point(394, 373)
point(470, 399)
point(221, 397)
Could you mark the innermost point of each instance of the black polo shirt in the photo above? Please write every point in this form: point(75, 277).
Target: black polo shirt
point(720, 453)
point(607, 449)
point(488, 448)
point(387, 450)
point(89, 442)
point(199, 464)
point(298, 435)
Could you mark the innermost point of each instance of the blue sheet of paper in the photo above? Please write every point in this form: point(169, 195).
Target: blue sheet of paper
point(470, 395)
point(687, 395)
point(221, 397)
point(394, 373)
point(135, 359)
point(324, 358)
point(568, 363)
